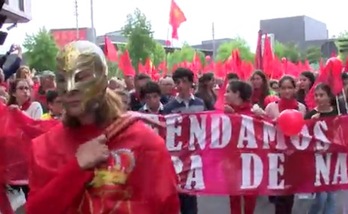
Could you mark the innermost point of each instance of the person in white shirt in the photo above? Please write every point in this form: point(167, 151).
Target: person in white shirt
point(20, 97)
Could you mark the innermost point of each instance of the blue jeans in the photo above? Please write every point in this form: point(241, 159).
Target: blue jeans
point(325, 202)
point(188, 204)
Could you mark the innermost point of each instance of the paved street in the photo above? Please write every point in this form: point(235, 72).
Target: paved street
point(220, 205)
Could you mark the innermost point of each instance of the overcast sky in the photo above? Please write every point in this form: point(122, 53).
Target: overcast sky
point(231, 18)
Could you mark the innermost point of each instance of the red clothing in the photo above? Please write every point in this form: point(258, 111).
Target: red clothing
point(284, 104)
point(4, 85)
point(249, 204)
point(249, 200)
point(138, 178)
point(256, 96)
point(244, 108)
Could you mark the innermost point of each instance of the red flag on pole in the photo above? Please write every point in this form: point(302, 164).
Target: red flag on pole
point(176, 18)
point(110, 50)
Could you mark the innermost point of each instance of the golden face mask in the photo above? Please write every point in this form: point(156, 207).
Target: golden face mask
point(81, 66)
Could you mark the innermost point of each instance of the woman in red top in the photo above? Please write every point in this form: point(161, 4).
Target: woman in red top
point(260, 87)
point(287, 93)
point(237, 100)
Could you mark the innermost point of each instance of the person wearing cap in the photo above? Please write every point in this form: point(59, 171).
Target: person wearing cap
point(48, 82)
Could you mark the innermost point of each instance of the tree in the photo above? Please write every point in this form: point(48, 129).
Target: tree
point(113, 70)
point(224, 51)
point(185, 54)
point(158, 55)
point(41, 50)
point(289, 51)
point(138, 32)
point(343, 34)
point(342, 45)
point(313, 54)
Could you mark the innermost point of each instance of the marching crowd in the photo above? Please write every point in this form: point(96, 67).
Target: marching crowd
point(181, 92)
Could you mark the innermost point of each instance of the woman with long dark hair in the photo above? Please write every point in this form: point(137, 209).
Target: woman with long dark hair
point(305, 83)
point(237, 100)
point(324, 202)
point(260, 87)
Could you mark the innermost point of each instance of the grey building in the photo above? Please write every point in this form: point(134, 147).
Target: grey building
point(209, 44)
point(117, 38)
point(301, 30)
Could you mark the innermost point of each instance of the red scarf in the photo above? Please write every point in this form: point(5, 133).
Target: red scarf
point(25, 105)
point(244, 108)
point(256, 96)
point(284, 104)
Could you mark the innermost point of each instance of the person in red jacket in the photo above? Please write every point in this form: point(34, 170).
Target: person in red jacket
point(237, 100)
point(97, 160)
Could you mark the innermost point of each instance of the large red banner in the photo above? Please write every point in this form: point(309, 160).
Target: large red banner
point(65, 36)
point(215, 153)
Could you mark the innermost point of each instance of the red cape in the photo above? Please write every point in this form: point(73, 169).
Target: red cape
point(138, 178)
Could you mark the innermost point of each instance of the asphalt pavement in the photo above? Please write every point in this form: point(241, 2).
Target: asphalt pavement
point(220, 205)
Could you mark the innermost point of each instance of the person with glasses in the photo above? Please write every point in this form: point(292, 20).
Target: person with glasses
point(20, 97)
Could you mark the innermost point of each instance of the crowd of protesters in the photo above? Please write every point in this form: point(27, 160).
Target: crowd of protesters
point(180, 92)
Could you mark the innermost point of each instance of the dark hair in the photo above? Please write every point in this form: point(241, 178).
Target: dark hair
point(206, 78)
point(272, 82)
point(232, 76)
point(301, 93)
point(181, 73)
point(328, 91)
point(12, 90)
point(264, 87)
point(51, 96)
point(141, 76)
point(149, 88)
point(310, 76)
point(289, 78)
point(245, 90)
point(344, 76)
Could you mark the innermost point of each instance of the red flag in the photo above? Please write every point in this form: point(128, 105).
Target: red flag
point(258, 54)
point(268, 58)
point(125, 64)
point(110, 50)
point(331, 75)
point(176, 18)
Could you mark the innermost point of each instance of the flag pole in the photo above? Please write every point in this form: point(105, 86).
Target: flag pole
point(92, 22)
point(77, 20)
point(213, 35)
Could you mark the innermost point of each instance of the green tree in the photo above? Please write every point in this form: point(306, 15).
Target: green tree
point(158, 55)
point(289, 51)
point(139, 34)
point(185, 54)
point(313, 54)
point(41, 50)
point(113, 70)
point(342, 45)
point(224, 51)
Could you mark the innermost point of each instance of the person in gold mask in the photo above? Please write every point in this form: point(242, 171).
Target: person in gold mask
point(97, 160)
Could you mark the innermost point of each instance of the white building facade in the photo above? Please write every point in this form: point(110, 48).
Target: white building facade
point(16, 11)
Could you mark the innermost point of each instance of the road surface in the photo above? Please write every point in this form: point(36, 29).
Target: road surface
point(220, 205)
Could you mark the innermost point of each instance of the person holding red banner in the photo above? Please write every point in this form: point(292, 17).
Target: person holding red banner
point(97, 160)
point(287, 93)
point(185, 102)
point(237, 100)
point(324, 202)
